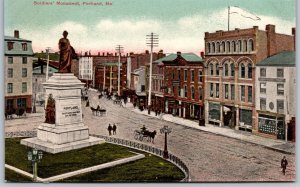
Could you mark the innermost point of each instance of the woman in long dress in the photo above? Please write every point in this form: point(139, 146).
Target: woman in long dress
point(66, 50)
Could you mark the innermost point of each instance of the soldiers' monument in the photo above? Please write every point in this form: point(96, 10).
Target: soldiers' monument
point(63, 129)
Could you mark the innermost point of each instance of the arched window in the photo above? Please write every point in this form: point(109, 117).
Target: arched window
point(245, 45)
point(211, 69)
point(223, 47)
point(233, 47)
point(251, 45)
point(240, 48)
point(227, 47)
point(208, 48)
point(226, 70)
point(243, 72)
point(217, 68)
point(232, 69)
point(250, 71)
point(213, 48)
point(218, 47)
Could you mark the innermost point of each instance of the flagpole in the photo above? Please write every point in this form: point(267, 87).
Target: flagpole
point(228, 16)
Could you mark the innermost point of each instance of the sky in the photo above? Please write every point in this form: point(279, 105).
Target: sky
point(180, 24)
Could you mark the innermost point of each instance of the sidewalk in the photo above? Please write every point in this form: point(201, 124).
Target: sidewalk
point(277, 145)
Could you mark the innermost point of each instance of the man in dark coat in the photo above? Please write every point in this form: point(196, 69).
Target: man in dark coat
point(284, 163)
point(109, 128)
point(114, 128)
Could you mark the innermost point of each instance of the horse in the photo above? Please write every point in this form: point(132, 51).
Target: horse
point(150, 135)
point(9, 112)
point(20, 112)
point(94, 110)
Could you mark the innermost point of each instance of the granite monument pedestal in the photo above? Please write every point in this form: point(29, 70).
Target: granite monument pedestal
point(68, 132)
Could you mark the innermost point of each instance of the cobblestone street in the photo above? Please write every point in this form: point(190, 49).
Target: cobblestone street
point(209, 157)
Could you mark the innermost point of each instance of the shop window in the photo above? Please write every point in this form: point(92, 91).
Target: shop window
point(214, 111)
point(21, 102)
point(9, 103)
point(246, 117)
point(267, 124)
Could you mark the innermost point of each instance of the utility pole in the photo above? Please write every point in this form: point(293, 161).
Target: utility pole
point(47, 71)
point(119, 49)
point(151, 41)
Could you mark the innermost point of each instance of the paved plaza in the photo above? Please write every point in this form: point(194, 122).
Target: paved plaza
point(210, 156)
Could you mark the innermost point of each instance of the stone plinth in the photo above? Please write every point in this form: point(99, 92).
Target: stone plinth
point(68, 132)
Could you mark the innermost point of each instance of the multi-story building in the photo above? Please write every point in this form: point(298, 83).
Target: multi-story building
point(230, 61)
point(18, 72)
point(275, 100)
point(183, 85)
point(86, 71)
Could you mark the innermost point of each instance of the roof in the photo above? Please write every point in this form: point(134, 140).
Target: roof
point(285, 58)
point(17, 46)
point(190, 57)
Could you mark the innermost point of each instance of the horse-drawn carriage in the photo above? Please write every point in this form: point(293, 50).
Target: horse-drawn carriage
point(19, 112)
point(98, 110)
point(141, 134)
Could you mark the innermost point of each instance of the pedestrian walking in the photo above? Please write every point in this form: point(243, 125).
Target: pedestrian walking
point(114, 128)
point(109, 128)
point(284, 163)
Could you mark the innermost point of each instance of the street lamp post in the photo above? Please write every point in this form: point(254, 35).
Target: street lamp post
point(35, 90)
point(34, 156)
point(166, 130)
point(47, 69)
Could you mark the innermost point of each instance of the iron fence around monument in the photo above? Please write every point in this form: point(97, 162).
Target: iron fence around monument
point(127, 143)
point(150, 149)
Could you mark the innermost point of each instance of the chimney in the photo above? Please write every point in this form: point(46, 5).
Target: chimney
point(103, 54)
point(115, 54)
point(178, 53)
point(293, 31)
point(270, 28)
point(17, 35)
point(147, 52)
point(98, 53)
point(86, 53)
point(202, 54)
point(255, 27)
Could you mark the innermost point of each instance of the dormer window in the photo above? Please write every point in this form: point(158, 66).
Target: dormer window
point(24, 46)
point(10, 45)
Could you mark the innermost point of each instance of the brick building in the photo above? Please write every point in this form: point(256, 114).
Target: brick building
point(183, 85)
point(18, 57)
point(230, 62)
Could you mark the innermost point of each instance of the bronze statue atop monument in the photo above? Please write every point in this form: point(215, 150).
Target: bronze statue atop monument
point(67, 53)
